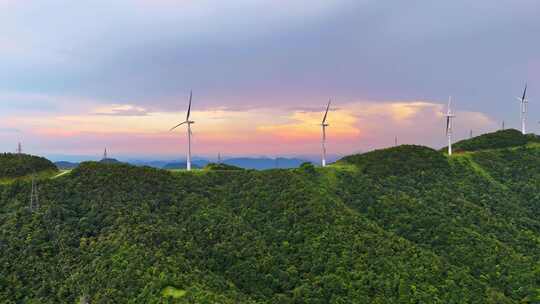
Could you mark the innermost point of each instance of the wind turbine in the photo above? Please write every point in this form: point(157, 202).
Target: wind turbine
point(449, 125)
point(524, 103)
point(324, 125)
point(188, 122)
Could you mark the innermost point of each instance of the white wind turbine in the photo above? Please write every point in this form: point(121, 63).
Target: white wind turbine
point(324, 125)
point(524, 103)
point(449, 125)
point(188, 122)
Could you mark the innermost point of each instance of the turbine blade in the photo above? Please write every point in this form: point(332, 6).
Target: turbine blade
point(524, 92)
point(178, 125)
point(189, 107)
point(447, 124)
point(326, 112)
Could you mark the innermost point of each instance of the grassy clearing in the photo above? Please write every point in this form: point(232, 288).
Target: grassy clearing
point(342, 167)
point(466, 158)
point(184, 171)
point(172, 292)
point(331, 172)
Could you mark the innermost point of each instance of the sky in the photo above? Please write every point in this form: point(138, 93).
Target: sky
point(79, 76)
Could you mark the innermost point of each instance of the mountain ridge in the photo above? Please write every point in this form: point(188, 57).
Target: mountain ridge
point(398, 225)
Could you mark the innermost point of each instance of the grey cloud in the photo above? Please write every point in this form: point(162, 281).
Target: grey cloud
point(481, 52)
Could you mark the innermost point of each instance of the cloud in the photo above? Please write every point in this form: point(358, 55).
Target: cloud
point(258, 67)
point(366, 125)
point(304, 125)
point(9, 130)
point(28, 103)
point(121, 110)
point(353, 126)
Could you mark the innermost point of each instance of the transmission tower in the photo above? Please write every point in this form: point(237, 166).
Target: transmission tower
point(105, 154)
point(19, 148)
point(34, 200)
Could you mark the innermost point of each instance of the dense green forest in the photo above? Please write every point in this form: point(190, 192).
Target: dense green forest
point(497, 140)
point(401, 225)
point(17, 165)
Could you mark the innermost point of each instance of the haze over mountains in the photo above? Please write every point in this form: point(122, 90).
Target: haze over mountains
point(258, 163)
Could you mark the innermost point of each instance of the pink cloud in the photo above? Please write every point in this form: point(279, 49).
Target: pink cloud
point(357, 126)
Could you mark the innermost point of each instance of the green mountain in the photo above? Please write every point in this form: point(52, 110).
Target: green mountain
point(110, 161)
point(401, 225)
point(214, 166)
point(497, 140)
point(19, 165)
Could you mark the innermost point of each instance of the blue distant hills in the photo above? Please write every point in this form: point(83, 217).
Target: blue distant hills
point(257, 163)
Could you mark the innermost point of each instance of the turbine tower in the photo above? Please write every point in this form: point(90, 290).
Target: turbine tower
point(524, 103)
point(324, 125)
point(449, 125)
point(189, 133)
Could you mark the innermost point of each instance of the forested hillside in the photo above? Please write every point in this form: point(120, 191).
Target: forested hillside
point(17, 165)
point(401, 225)
point(497, 140)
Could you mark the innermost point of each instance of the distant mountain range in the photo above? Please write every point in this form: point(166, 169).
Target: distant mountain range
point(182, 165)
point(258, 163)
point(66, 165)
point(265, 163)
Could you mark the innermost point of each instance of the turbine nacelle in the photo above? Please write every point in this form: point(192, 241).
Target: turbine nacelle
point(526, 100)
